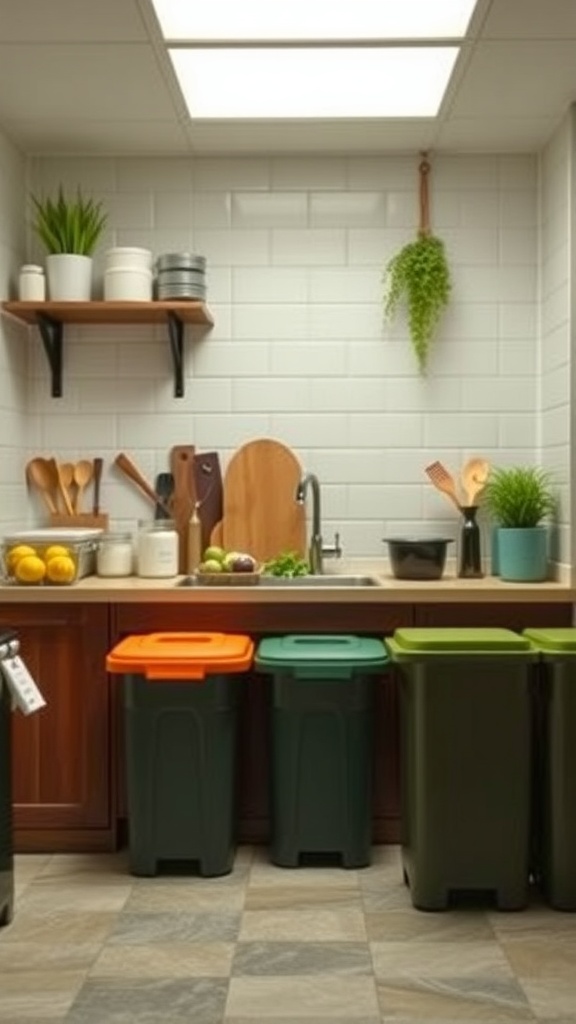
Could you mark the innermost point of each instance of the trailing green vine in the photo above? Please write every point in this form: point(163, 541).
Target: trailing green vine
point(419, 276)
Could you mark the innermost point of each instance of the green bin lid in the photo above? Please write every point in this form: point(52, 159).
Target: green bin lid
point(459, 640)
point(311, 650)
point(557, 641)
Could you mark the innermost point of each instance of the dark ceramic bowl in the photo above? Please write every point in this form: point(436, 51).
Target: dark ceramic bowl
point(412, 559)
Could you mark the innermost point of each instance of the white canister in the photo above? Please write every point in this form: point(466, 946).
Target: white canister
point(131, 256)
point(127, 284)
point(115, 555)
point(31, 283)
point(157, 549)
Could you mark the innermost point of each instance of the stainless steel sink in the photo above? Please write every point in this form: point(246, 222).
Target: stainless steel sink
point(302, 581)
point(319, 581)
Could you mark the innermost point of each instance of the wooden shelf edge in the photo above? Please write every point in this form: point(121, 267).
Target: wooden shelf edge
point(190, 312)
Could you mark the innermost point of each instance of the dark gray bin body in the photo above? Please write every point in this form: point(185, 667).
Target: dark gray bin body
point(8, 645)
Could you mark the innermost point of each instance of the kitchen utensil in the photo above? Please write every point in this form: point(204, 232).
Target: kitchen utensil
point(67, 476)
point(184, 497)
point(98, 465)
point(208, 488)
point(414, 559)
point(261, 515)
point(83, 472)
point(443, 481)
point(129, 468)
point(57, 476)
point(39, 473)
point(164, 490)
point(474, 477)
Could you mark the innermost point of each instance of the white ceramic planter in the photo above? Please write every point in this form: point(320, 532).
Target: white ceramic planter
point(69, 277)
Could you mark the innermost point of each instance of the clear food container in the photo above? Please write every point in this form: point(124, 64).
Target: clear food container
point(53, 557)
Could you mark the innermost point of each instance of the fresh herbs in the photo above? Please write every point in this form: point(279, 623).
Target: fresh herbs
point(419, 275)
point(520, 497)
point(69, 225)
point(287, 563)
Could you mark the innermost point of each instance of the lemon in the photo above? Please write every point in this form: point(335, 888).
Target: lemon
point(61, 569)
point(54, 550)
point(30, 569)
point(16, 553)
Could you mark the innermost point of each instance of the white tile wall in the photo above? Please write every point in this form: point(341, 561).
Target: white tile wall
point(296, 249)
point(556, 365)
point(13, 343)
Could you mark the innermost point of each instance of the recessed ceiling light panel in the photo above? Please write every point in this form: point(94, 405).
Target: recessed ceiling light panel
point(331, 20)
point(313, 83)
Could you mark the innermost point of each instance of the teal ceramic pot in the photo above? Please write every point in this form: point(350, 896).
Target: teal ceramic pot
point(523, 554)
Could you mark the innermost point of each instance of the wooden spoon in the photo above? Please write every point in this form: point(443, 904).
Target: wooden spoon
point(39, 473)
point(67, 476)
point(474, 476)
point(83, 473)
point(58, 483)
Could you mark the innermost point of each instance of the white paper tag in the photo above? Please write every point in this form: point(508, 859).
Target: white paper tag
point(22, 686)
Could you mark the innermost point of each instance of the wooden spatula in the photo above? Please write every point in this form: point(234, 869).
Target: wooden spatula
point(443, 481)
point(184, 496)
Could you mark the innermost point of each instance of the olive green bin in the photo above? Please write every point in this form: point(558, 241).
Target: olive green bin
point(556, 784)
point(322, 744)
point(465, 709)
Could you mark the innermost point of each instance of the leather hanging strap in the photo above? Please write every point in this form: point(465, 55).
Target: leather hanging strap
point(424, 170)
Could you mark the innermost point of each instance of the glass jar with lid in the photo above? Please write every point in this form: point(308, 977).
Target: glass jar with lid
point(157, 548)
point(115, 555)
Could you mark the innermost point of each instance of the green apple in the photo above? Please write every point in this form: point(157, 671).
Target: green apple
point(210, 565)
point(229, 559)
point(214, 554)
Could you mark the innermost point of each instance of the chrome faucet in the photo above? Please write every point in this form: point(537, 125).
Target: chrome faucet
point(317, 551)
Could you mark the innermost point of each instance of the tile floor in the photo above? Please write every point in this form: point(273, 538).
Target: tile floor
point(90, 944)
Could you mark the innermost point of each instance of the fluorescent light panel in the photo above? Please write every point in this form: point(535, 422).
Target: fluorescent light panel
point(232, 79)
point(314, 83)
point(330, 20)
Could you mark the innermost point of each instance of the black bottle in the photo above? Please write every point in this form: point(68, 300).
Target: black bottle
point(470, 565)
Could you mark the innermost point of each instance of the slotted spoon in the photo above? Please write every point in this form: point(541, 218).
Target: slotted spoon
point(474, 477)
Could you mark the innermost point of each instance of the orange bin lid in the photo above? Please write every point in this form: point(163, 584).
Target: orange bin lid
point(181, 655)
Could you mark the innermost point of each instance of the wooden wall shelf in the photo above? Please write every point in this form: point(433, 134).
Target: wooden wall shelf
point(50, 318)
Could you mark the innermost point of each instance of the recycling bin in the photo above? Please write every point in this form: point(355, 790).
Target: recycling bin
point(322, 744)
point(9, 646)
point(181, 695)
point(556, 776)
point(466, 740)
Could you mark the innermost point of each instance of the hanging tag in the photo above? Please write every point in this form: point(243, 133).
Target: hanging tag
point(25, 693)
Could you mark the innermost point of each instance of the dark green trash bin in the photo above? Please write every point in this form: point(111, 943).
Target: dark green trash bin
point(466, 763)
point(9, 646)
point(556, 786)
point(181, 696)
point(322, 718)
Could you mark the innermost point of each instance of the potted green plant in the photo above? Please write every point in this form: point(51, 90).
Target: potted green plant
point(419, 276)
point(69, 228)
point(518, 499)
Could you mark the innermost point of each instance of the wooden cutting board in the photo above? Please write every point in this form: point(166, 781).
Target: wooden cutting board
point(260, 513)
point(183, 496)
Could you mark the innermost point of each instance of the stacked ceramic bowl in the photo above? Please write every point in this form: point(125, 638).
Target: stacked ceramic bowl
point(181, 275)
point(128, 274)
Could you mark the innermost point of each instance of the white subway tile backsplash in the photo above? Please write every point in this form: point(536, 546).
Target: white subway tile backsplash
point(308, 247)
point(269, 210)
point(269, 284)
point(296, 249)
point(347, 209)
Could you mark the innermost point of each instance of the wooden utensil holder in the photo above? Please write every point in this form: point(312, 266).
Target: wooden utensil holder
point(86, 519)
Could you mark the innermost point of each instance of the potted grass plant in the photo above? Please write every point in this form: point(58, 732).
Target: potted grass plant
point(518, 501)
point(69, 228)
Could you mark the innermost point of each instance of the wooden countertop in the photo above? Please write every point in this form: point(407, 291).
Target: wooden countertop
point(450, 589)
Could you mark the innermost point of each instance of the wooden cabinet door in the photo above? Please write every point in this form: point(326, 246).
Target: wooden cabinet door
point(61, 761)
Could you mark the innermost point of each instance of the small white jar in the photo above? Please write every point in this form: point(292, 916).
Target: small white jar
point(157, 549)
point(115, 555)
point(31, 283)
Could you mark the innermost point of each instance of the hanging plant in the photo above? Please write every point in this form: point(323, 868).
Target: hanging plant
point(419, 276)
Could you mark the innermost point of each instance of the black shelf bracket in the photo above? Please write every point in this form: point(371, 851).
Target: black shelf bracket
point(52, 332)
point(176, 331)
